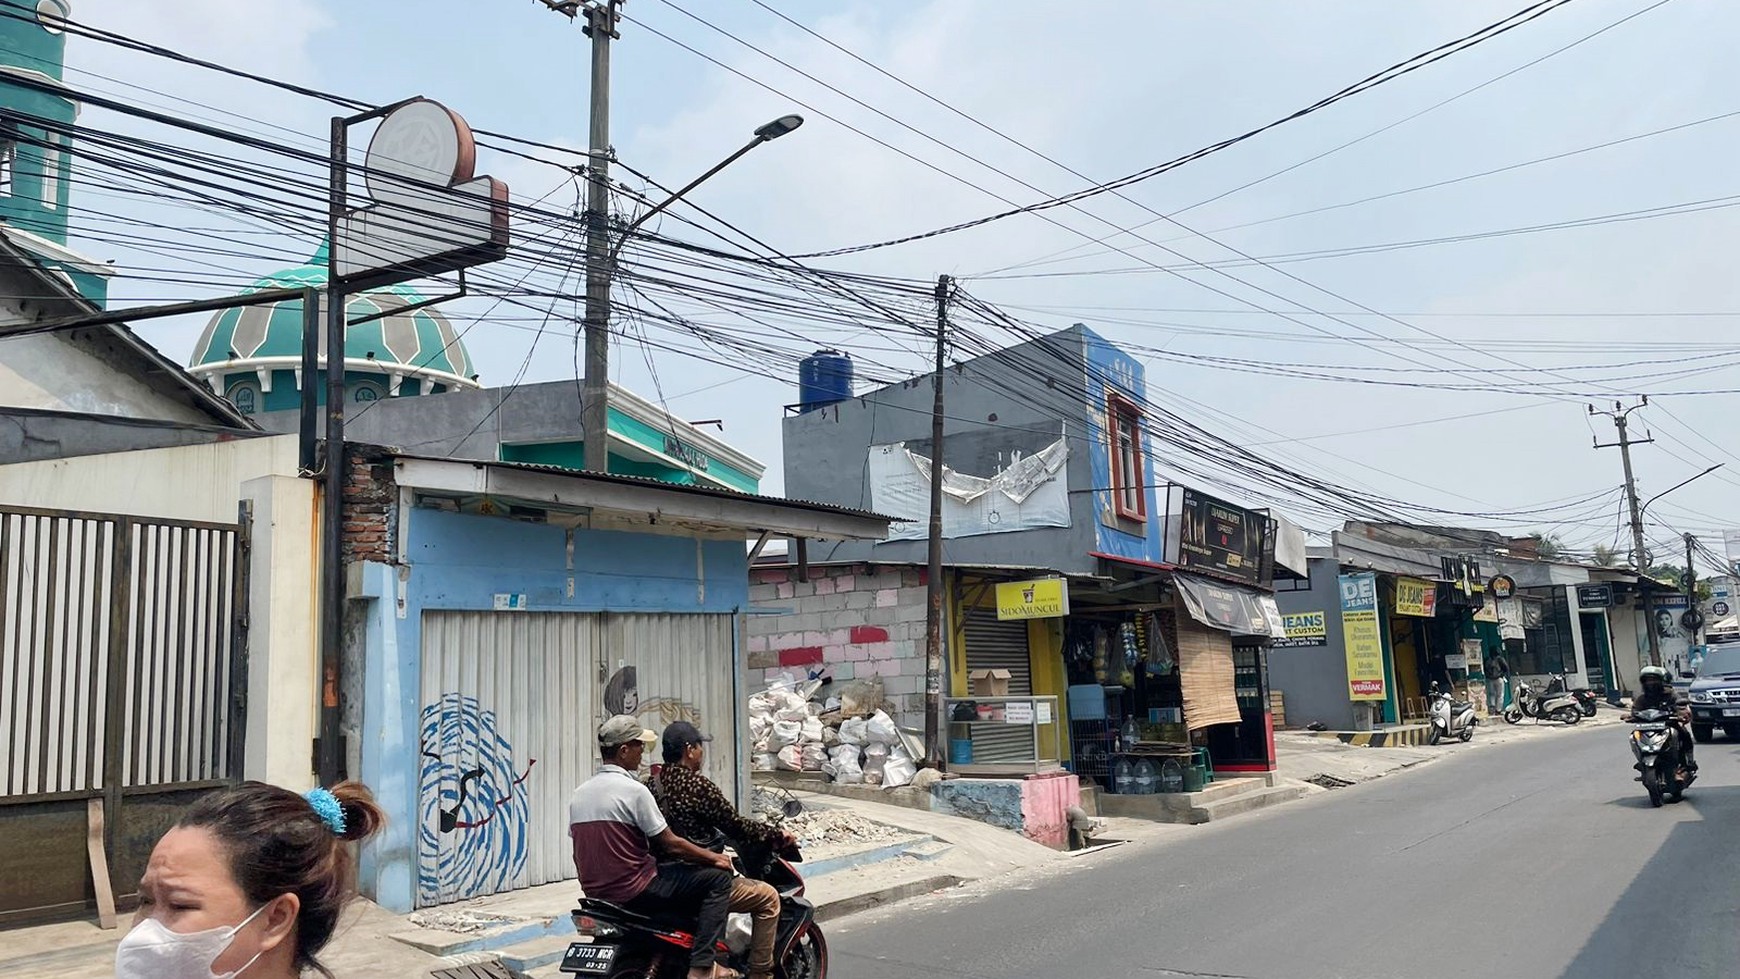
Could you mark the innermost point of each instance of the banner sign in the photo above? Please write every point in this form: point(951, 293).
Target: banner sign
point(1360, 634)
point(1041, 598)
point(1594, 596)
point(1229, 607)
point(1303, 629)
point(1417, 597)
point(1216, 536)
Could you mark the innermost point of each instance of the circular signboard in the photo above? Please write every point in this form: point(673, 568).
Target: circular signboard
point(1502, 586)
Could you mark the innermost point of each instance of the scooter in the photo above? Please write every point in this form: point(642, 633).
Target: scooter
point(1450, 718)
point(1658, 763)
point(1586, 699)
point(621, 944)
point(1556, 707)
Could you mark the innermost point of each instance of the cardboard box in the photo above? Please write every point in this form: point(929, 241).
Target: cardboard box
point(989, 683)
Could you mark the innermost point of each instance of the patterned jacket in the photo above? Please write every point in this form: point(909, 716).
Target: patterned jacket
point(695, 807)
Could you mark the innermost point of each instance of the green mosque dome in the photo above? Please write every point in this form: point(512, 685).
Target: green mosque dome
point(253, 354)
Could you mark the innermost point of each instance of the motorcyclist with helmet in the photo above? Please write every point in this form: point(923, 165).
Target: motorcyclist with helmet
point(1656, 692)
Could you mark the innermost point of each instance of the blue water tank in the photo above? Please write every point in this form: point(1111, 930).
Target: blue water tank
point(824, 378)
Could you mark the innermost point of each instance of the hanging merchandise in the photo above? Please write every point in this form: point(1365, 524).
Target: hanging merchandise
point(1160, 660)
point(1132, 653)
point(1102, 656)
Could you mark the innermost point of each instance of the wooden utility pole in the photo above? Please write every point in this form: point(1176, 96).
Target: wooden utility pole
point(933, 657)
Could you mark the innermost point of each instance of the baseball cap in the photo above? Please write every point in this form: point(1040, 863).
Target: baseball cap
point(622, 729)
point(681, 734)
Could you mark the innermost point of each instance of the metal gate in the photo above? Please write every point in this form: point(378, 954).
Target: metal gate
point(511, 703)
point(995, 644)
point(122, 679)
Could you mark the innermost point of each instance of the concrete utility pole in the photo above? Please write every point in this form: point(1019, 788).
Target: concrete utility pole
point(1639, 555)
point(1691, 585)
point(601, 20)
point(933, 659)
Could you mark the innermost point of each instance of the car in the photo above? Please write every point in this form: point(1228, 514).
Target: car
point(1715, 693)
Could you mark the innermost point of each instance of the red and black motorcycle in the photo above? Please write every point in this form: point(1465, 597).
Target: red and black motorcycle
point(620, 944)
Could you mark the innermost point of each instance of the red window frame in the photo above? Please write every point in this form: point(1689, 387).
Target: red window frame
point(1124, 418)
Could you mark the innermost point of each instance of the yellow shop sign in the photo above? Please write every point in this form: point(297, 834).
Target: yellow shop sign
point(1041, 598)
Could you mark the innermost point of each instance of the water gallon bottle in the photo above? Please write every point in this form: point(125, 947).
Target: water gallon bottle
point(1128, 735)
point(1171, 776)
point(1147, 777)
point(1123, 777)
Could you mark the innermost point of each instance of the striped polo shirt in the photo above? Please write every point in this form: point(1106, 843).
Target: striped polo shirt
point(612, 818)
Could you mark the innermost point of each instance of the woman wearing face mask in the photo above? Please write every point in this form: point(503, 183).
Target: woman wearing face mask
point(250, 882)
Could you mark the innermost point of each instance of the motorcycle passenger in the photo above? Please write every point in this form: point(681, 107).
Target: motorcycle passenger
point(615, 825)
point(697, 810)
point(1657, 693)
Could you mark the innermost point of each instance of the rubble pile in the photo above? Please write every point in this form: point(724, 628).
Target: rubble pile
point(849, 736)
point(817, 828)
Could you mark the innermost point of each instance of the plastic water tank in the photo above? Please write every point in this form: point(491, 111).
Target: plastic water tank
point(824, 378)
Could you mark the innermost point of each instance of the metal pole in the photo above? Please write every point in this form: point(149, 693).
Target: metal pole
point(594, 403)
point(1691, 584)
point(310, 402)
point(330, 754)
point(933, 583)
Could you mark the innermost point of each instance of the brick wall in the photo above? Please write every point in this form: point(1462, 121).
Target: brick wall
point(851, 621)
point(369, 494)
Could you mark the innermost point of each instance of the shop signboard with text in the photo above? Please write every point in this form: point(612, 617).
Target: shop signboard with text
point(1220, 538)
point(1303, 629)
point(1041, 598)
point(1416, 597)
point(1360, 634)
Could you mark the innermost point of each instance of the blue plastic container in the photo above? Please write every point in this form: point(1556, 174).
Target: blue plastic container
point(960, 751)
point(824, 378)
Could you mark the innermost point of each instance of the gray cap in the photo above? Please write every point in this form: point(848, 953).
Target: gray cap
point(622, 729)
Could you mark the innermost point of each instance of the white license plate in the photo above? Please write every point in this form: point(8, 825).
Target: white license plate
point(1731, 712)
point(589, 959)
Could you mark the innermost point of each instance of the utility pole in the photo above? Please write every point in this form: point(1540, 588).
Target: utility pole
point(601, 21)
point(1690, 582)
point(933, 659)
point(1639, 558)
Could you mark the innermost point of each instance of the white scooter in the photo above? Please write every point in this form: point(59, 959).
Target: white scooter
point(1450, 718)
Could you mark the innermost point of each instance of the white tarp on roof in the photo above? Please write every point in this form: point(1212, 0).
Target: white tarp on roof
point(1031, 491)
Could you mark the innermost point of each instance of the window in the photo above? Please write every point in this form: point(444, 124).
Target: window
point(1129, 489)
point(51, 177)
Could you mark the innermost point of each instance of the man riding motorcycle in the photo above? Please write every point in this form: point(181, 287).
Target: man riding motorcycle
point(1657, 693)
point(615, 824)
point(697, 811)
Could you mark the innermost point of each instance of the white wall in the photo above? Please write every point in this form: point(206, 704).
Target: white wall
point(208, 482)
point(50, 372)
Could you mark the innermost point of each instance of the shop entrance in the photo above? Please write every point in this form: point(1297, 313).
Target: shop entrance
point(995, 644)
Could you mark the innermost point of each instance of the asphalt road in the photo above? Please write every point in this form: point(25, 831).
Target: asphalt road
point(1536, 859)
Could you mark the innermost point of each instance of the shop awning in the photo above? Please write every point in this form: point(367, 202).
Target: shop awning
point(1230, 608)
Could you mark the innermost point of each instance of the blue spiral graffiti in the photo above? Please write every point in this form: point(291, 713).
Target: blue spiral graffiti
point(472, 802)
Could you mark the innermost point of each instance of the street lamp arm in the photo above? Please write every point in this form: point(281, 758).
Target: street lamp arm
point(1670, 489)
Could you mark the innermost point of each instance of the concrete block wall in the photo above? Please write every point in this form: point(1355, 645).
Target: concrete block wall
point(849, 621)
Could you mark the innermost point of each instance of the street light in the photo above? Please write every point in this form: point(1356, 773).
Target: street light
point(600, 266)
point(1645, 508)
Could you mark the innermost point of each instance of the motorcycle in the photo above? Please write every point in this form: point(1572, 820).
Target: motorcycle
point(1554, 707)
point(1657, 750)
point(1586, 699)
point(621, 944)
point(1450, 718)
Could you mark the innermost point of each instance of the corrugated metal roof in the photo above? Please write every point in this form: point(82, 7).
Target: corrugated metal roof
point(650, 483)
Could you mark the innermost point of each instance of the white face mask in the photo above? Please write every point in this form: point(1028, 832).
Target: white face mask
point(152, 951)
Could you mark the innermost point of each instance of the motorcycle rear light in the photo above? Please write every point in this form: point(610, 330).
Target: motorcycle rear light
point(591, 927)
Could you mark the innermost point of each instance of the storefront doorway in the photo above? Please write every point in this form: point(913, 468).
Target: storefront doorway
point(1597, 650)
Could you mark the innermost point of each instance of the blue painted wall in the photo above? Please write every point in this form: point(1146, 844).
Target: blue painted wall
point(1110, 369)
point(460, 562)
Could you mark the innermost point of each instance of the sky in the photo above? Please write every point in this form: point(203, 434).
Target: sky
point(1110, 88)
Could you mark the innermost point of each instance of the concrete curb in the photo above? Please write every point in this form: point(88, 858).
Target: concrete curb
point(834, 910)
point(1410, 736)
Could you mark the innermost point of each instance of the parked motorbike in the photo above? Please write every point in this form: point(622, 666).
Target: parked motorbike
point(626, 945)
point(1586, 699)
point(1450, 718)
point(1543, 707)
point(1658, 756)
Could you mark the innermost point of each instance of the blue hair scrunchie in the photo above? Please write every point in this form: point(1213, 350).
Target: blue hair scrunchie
point(327, 807)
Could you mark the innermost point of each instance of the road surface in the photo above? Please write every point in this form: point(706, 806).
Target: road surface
point(1535, 859)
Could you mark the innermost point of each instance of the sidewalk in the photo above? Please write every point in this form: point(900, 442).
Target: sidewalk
point(926, 853)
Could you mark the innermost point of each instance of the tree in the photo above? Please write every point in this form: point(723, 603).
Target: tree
point(1675, 575)
point(1548, 546)
point(1606, 556)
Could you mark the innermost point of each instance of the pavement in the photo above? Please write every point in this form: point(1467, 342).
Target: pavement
point(1529, 854)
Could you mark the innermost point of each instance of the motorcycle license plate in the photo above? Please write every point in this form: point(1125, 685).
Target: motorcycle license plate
point(1731, 712)
point(589, 959)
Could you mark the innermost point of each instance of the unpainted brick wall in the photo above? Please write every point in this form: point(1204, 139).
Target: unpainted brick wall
point(847, 621)
point(369, 494)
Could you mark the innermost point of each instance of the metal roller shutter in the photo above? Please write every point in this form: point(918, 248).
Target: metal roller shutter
point(993, 644)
